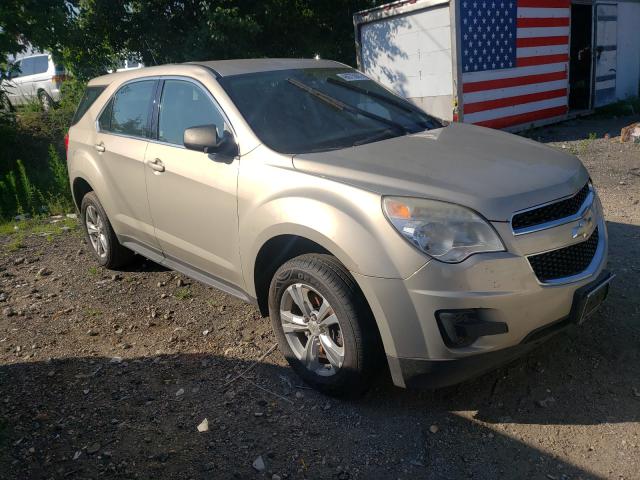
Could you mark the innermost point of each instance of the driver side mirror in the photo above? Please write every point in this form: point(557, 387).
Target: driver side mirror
point(205, 139)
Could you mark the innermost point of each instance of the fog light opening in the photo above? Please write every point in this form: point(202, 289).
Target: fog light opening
point(461, 328)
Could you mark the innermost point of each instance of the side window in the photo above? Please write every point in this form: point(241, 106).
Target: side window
point(105, 119)
point(184, 105)
point(16, 70)
point(90, 95)
point(130, 109)
point(40, 64)
point(26, 67)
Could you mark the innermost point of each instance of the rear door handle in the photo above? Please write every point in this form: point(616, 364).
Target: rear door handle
point(156, 164)
point(99, 147)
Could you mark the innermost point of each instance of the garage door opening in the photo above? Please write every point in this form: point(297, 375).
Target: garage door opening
point(581, 55)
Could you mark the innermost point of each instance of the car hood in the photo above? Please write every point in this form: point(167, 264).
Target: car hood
point(490, 171)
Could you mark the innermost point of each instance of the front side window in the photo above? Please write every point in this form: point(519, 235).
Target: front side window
point(319, 109)
point(26, 67)
point(128, 112)
point(184, 105)
point(16, 69)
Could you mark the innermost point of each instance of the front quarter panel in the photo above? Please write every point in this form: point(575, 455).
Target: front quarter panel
point(275, 199)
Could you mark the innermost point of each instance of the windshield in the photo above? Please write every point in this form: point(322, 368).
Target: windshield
point(313, 110)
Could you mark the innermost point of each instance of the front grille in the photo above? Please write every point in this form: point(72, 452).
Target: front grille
point(565, 262)
point(548, 213)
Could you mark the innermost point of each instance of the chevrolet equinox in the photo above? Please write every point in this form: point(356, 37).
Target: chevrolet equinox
point(362, 226)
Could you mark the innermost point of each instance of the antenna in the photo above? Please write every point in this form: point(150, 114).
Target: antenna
point(150, 52)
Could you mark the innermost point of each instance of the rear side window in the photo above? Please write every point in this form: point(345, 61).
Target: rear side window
point(40, 64)
point(90, 96)
point(128, 112)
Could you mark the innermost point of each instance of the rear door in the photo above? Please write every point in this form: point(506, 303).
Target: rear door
point(120, 144)
point(191, 195)
point(606, 54)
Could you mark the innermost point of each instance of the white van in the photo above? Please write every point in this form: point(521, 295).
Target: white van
point(34, 77)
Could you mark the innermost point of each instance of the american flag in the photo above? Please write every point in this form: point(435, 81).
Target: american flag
point(514, 56)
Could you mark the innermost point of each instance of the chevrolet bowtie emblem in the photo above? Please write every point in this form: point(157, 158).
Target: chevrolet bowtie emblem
point(583, 227)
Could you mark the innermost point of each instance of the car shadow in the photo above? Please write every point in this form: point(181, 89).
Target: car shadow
point(90, 417)
point(93, 416)
point(142, 264)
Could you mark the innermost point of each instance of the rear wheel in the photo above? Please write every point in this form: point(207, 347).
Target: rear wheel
point(323, 325)
point(100, 234)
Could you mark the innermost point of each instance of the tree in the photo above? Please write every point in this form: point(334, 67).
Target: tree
point(91, 35)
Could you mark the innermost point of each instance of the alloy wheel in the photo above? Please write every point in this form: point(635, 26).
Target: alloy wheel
point(95, 229)
point(312, 329)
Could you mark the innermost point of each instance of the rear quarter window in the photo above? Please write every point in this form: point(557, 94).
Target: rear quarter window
point(40, 64)
point(89, 97)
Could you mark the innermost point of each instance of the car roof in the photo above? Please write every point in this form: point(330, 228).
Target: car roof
point(224, 68)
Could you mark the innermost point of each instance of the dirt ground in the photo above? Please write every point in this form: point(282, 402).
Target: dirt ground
point(108, 375)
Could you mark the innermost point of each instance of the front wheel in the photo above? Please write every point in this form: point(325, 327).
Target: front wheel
point(46, 102)
point(323, 325)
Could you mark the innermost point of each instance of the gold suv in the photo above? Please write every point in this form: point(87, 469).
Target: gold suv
point(360, 224)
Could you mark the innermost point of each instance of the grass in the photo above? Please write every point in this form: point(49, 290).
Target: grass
point(92, 312)
point(93, 271)
point(183, 294)
point(17, 231)
point(16, 243)
point(38, 226)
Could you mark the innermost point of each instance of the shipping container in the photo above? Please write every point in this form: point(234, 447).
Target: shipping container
point(503, 63)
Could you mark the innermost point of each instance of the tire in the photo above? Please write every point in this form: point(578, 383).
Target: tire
point(103, 241)
point(46, 102)
point(355, 335)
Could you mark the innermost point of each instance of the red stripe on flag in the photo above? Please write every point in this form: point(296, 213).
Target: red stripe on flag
point(544, 3)
point(512, 82)
point(542, 60)
point(543, 22)
point(524, 118)
point(510, 101)
point(541, 41)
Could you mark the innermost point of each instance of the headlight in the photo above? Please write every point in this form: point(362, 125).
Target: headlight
point(444, 231)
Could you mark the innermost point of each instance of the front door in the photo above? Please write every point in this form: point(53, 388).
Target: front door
point(192, 196)
point(605, 54)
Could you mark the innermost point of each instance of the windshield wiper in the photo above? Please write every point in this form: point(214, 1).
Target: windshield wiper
point(335, 103)
point(407, 107)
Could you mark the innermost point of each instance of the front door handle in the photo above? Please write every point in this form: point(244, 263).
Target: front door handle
point(99, 147)
point(156, 164)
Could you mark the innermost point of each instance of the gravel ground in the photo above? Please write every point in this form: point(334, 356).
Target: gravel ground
point(109, 374)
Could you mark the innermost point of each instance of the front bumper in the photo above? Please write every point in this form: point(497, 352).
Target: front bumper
point(502, 284)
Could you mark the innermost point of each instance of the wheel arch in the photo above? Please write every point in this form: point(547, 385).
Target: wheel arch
point(80, 187)
point(272, 254)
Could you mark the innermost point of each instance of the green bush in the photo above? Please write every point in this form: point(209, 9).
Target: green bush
point(33, 172)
